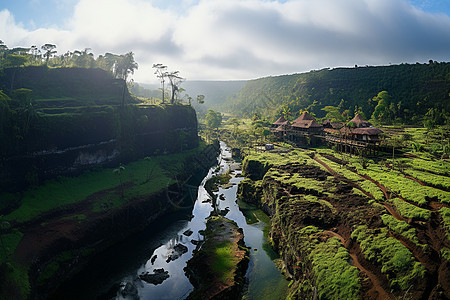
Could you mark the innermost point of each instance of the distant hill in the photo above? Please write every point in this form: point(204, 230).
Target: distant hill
point(414, 90)
point(216, 92)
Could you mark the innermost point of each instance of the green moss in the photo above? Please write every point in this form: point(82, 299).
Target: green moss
point(402, 228)
point(223, 261)
point(396, 261)
point(410, 211)
point(335, 277)
point(15, 281)
point(51, 269)
point(9, 242)
point(445, 213)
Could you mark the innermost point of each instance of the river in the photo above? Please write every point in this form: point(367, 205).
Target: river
point(114, 274)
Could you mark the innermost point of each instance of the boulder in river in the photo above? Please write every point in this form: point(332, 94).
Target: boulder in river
point(158, 276)
point(176, 252)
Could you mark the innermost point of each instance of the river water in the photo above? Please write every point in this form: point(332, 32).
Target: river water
point(114, 274)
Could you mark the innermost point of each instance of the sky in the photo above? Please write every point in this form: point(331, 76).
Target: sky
point(236, 39)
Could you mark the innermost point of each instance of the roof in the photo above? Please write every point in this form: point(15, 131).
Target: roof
point(305, 121)
point(306, 124)
point(280, 121)
point(280, 128)
point(360, 122)
point(303, 117)
point(367, 130)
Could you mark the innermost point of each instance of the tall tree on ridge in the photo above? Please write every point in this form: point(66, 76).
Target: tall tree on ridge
point(49, 51)
point(161, 74)
point(175, 80)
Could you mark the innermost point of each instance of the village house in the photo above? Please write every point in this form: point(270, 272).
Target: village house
point(357, 133)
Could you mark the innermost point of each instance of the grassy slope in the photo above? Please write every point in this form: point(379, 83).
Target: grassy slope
point(142, 177)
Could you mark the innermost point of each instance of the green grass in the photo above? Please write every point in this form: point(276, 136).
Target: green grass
point(410, 211)
point(223, 261)
point(409, 189)
point(334, 277)
point(9, 199)
point(305, 185)
point(67, 190)
point(445, 213)
point(16, 276)
point(366, 185)
point(402, 228)
point(64, 259)
point(396, 261)
point(260, 163)
point(439, 166)
point(438, 181)
point(9, 242)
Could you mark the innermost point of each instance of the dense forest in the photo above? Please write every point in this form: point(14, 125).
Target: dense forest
point(412, 91)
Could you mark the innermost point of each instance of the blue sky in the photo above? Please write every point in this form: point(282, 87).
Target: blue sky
point(47, 13)
point(236, 39)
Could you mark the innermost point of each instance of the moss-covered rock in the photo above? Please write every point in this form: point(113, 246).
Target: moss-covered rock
point(217, 269)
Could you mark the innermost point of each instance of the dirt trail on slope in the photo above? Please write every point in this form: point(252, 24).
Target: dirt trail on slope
point(388, 207)
point(342, 178)
point(377, 289)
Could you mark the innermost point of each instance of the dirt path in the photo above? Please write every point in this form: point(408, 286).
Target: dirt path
point(342, 178)
point(377, 286)
point(393, 212)
point(380, 186)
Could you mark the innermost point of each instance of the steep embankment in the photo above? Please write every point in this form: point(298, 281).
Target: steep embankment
point(73, 119)
point(349, 232)
point(81, 168)
point(55, 238)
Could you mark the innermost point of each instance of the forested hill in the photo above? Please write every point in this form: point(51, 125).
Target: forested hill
point(414, 90)
point(216, 92)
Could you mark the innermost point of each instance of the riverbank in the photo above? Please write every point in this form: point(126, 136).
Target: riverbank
point(53, 244)
point(217, 269)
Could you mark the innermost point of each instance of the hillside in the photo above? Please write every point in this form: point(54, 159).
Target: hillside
point(63, 120)
point(414, 90)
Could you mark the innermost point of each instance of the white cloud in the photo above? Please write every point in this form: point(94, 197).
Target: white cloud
point(238, 39)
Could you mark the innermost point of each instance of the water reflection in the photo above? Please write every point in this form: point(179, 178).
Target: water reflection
point(115, 273)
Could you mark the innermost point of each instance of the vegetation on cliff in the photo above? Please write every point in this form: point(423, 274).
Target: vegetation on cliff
point(348, 231)
point(99, 205)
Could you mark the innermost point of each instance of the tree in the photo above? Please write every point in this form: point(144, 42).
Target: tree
point(286, 112)
point(213, 119)
point(200, 99)
point(383, 111)
point(161, 74)
point(175, 81)
point(49, 50)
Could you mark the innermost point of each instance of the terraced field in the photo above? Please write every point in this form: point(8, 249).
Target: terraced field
point(348, 231)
